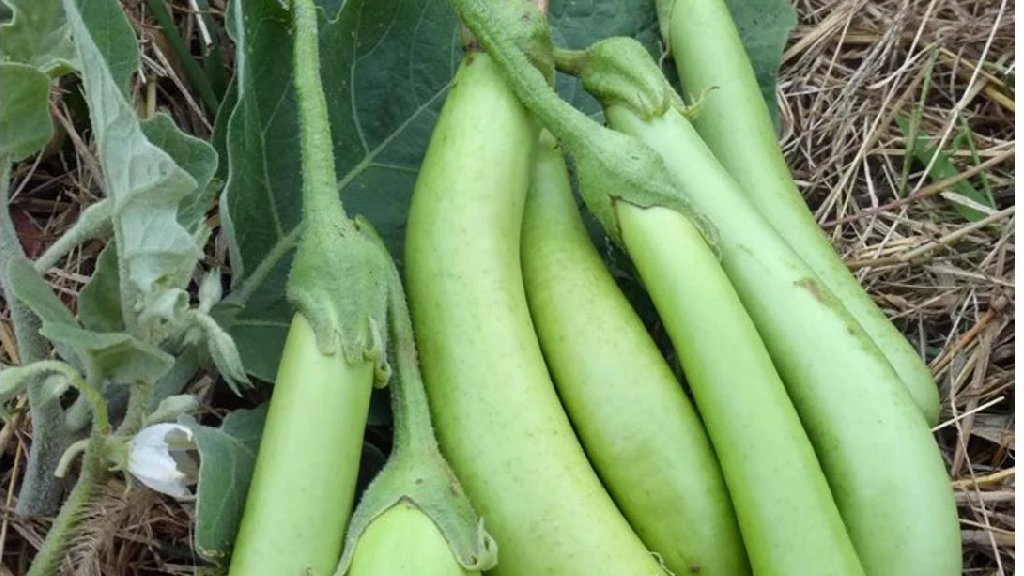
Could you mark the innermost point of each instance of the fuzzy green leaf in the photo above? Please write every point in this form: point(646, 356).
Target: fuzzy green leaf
point(32, 291)
point(45, 373)
point(227, 455)
point(196, 157)
point(38, 35)
point(29, 288)
point(172, 408)
point(205, 332)
point(156, 253)
point(111, 36)
point(99, 303)
point(25, 123)
point(102, 357)
point(115, 357)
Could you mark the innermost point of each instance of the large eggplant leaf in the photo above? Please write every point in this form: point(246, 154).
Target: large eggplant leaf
point(386, 67)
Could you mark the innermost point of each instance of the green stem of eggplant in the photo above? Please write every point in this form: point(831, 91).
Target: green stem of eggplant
point(303, 484)
point(416, 476)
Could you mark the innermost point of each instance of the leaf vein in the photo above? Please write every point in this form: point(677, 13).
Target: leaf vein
point(368, 161)
point(352, 80)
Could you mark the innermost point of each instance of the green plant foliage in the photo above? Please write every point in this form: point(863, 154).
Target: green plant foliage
point(25, 124)
point(156, 254)
point(941, 166)
point(30, 290)
point(99, 303)
point(38, 35)
point(227, 455)
point(196, 157)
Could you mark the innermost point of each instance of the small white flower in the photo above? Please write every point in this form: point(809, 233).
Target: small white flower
point(160, 458)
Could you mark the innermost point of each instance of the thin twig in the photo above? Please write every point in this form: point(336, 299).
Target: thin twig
point(986, 480)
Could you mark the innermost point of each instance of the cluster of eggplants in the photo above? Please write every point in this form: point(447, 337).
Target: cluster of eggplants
point(807, 447)
point(803, 446)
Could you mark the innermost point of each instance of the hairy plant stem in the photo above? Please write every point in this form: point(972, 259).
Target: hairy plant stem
point(611, 166)
point(321, 206)
point(40, 490)
point(338, 279)
point(570, 61)
point(61, 533)
point(413, 432)
point(138, 409)
point(94, 222)
point(529, 84)
point(93, 474)
point(416, 472)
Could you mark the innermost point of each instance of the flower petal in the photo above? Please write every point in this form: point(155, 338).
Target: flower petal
point(150, 459)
